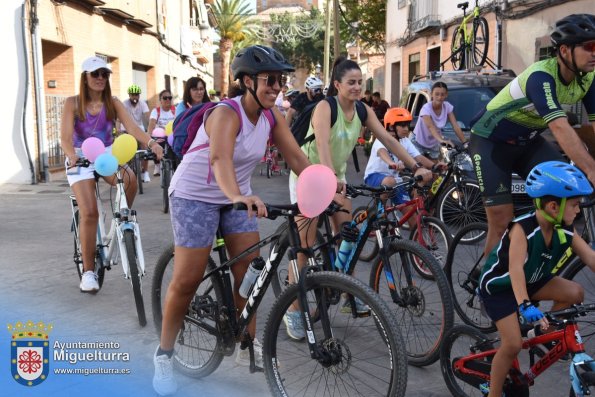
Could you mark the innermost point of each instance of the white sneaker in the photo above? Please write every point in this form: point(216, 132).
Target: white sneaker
point(157, 170)
point(243, 356)
point(164, 382)
point(89, 282)
point(146, 177)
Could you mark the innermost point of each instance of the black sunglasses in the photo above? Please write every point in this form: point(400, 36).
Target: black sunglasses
point(404, 124)
point(271, 79)
point(167, 98)
point(101, 72)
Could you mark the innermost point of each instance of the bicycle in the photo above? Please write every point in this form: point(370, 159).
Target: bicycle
point(338, 345)
point(469, 45)
point(123, 234)
point(270, 160)
point(422, 305)
point(466, 357)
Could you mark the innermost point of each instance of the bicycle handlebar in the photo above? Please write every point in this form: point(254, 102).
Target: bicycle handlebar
point(573, 311)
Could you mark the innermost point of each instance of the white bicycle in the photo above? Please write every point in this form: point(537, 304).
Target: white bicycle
point(121, 241)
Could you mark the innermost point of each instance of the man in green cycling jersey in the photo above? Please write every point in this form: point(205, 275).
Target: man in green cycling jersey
point(506, 134)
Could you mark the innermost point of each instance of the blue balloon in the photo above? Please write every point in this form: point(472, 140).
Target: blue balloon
point(106, 164)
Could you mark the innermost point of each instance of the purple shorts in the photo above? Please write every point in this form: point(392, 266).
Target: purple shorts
point(195, 223)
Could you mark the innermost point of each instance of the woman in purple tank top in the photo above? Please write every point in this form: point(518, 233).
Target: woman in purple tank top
point(229, 146)
point(91, 113)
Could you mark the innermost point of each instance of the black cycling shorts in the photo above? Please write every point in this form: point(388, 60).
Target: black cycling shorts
point(494, 163)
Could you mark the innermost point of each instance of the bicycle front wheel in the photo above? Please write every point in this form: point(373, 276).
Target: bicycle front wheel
point(480, 42)
point(197, 350)
point(135, 277)
point(582, 274)
point(370, 249)
point(462, 341)
point(422, 306)
point(463, 268)
point(78, 255)
point(360, 356)
point(434, 237)
point(458, 49)
point(138, 170)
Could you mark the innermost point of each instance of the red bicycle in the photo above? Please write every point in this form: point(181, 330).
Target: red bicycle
point(466, 358)
point(271, 161)
point(429, 231)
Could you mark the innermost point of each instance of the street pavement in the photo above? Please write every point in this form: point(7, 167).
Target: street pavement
point(39, 283)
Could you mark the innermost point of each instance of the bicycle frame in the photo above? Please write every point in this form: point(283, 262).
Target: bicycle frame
point(465, 21)
point(568, 340)
point(239, 325)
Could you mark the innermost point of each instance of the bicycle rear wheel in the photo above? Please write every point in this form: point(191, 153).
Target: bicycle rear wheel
point(436, 238)
point(78, 256)
point(461, 204)
point(423, 307)
point(135, 276)
point(197, 350)
point(364, 356)
point(458, 49)
point(461, 341)
point(480, 42)
point(463, 268)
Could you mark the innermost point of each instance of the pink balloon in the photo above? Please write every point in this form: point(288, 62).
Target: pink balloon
point(316, 187)
point(92, 147)
point(158, 132)
point(170, 139)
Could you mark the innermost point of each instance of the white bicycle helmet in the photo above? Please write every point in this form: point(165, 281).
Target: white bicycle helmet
point(313, 83)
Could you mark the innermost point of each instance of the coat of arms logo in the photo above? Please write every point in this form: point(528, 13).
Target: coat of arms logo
point(30, 356)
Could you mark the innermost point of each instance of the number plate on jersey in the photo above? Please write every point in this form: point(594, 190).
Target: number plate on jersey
point(518, 188)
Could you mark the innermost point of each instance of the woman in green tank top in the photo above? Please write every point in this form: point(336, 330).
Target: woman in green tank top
point(333, 145)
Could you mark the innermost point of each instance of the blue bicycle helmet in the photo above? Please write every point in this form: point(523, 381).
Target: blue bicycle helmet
point(558, 179)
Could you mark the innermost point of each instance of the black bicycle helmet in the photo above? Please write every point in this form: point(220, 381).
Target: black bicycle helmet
point(573, 29)
point(257, 58)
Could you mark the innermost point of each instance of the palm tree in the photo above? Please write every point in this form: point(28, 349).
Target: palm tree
point(233, 23)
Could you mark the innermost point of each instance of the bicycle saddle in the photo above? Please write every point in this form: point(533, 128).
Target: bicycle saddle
point(463, 5)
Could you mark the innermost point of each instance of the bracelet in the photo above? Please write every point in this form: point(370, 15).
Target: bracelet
point(416, 166)
point(150, 142)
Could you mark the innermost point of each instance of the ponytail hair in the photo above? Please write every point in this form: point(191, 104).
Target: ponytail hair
point(340, 67)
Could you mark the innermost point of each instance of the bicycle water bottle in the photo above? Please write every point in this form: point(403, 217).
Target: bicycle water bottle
point(343, 256)
point(251, 275)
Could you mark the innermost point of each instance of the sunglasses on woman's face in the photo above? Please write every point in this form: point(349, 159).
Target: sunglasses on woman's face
point(271, 79)
point(101, 72)
point(167, 98)
point(588, 46)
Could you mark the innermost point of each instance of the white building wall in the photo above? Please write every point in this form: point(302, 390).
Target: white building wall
point(15, 167)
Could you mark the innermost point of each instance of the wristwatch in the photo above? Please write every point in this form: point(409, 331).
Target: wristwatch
point(416, 166)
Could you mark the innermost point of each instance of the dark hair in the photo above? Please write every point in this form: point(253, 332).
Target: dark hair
point(163, 92)
point(193, 83)
point(376, 94)
point(234, 89)
point(340, 67)
point(546, 199)
point(367, 92)
point(439, 84)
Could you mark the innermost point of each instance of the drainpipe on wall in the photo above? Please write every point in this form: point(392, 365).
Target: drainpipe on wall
point(26, 96)
point(39, 94)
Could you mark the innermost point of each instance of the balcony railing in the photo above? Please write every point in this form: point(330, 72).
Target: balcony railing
point(424, 15)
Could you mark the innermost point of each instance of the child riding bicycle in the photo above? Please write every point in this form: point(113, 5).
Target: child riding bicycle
point(519, 269)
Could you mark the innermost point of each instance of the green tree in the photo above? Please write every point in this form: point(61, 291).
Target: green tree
point(305, 46)
point(366, 20)
point(233, 26)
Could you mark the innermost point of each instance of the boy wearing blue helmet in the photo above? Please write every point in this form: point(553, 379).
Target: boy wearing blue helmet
point(519, 269)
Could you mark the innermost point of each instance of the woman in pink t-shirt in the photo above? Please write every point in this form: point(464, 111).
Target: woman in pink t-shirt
point(433, 117)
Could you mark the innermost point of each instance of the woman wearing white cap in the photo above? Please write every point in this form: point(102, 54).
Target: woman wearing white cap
point(92, 113)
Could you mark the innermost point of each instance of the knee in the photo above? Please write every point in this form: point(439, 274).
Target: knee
point(577, 294)
point(89, 215)
point(511, 348)
point(184, 286)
